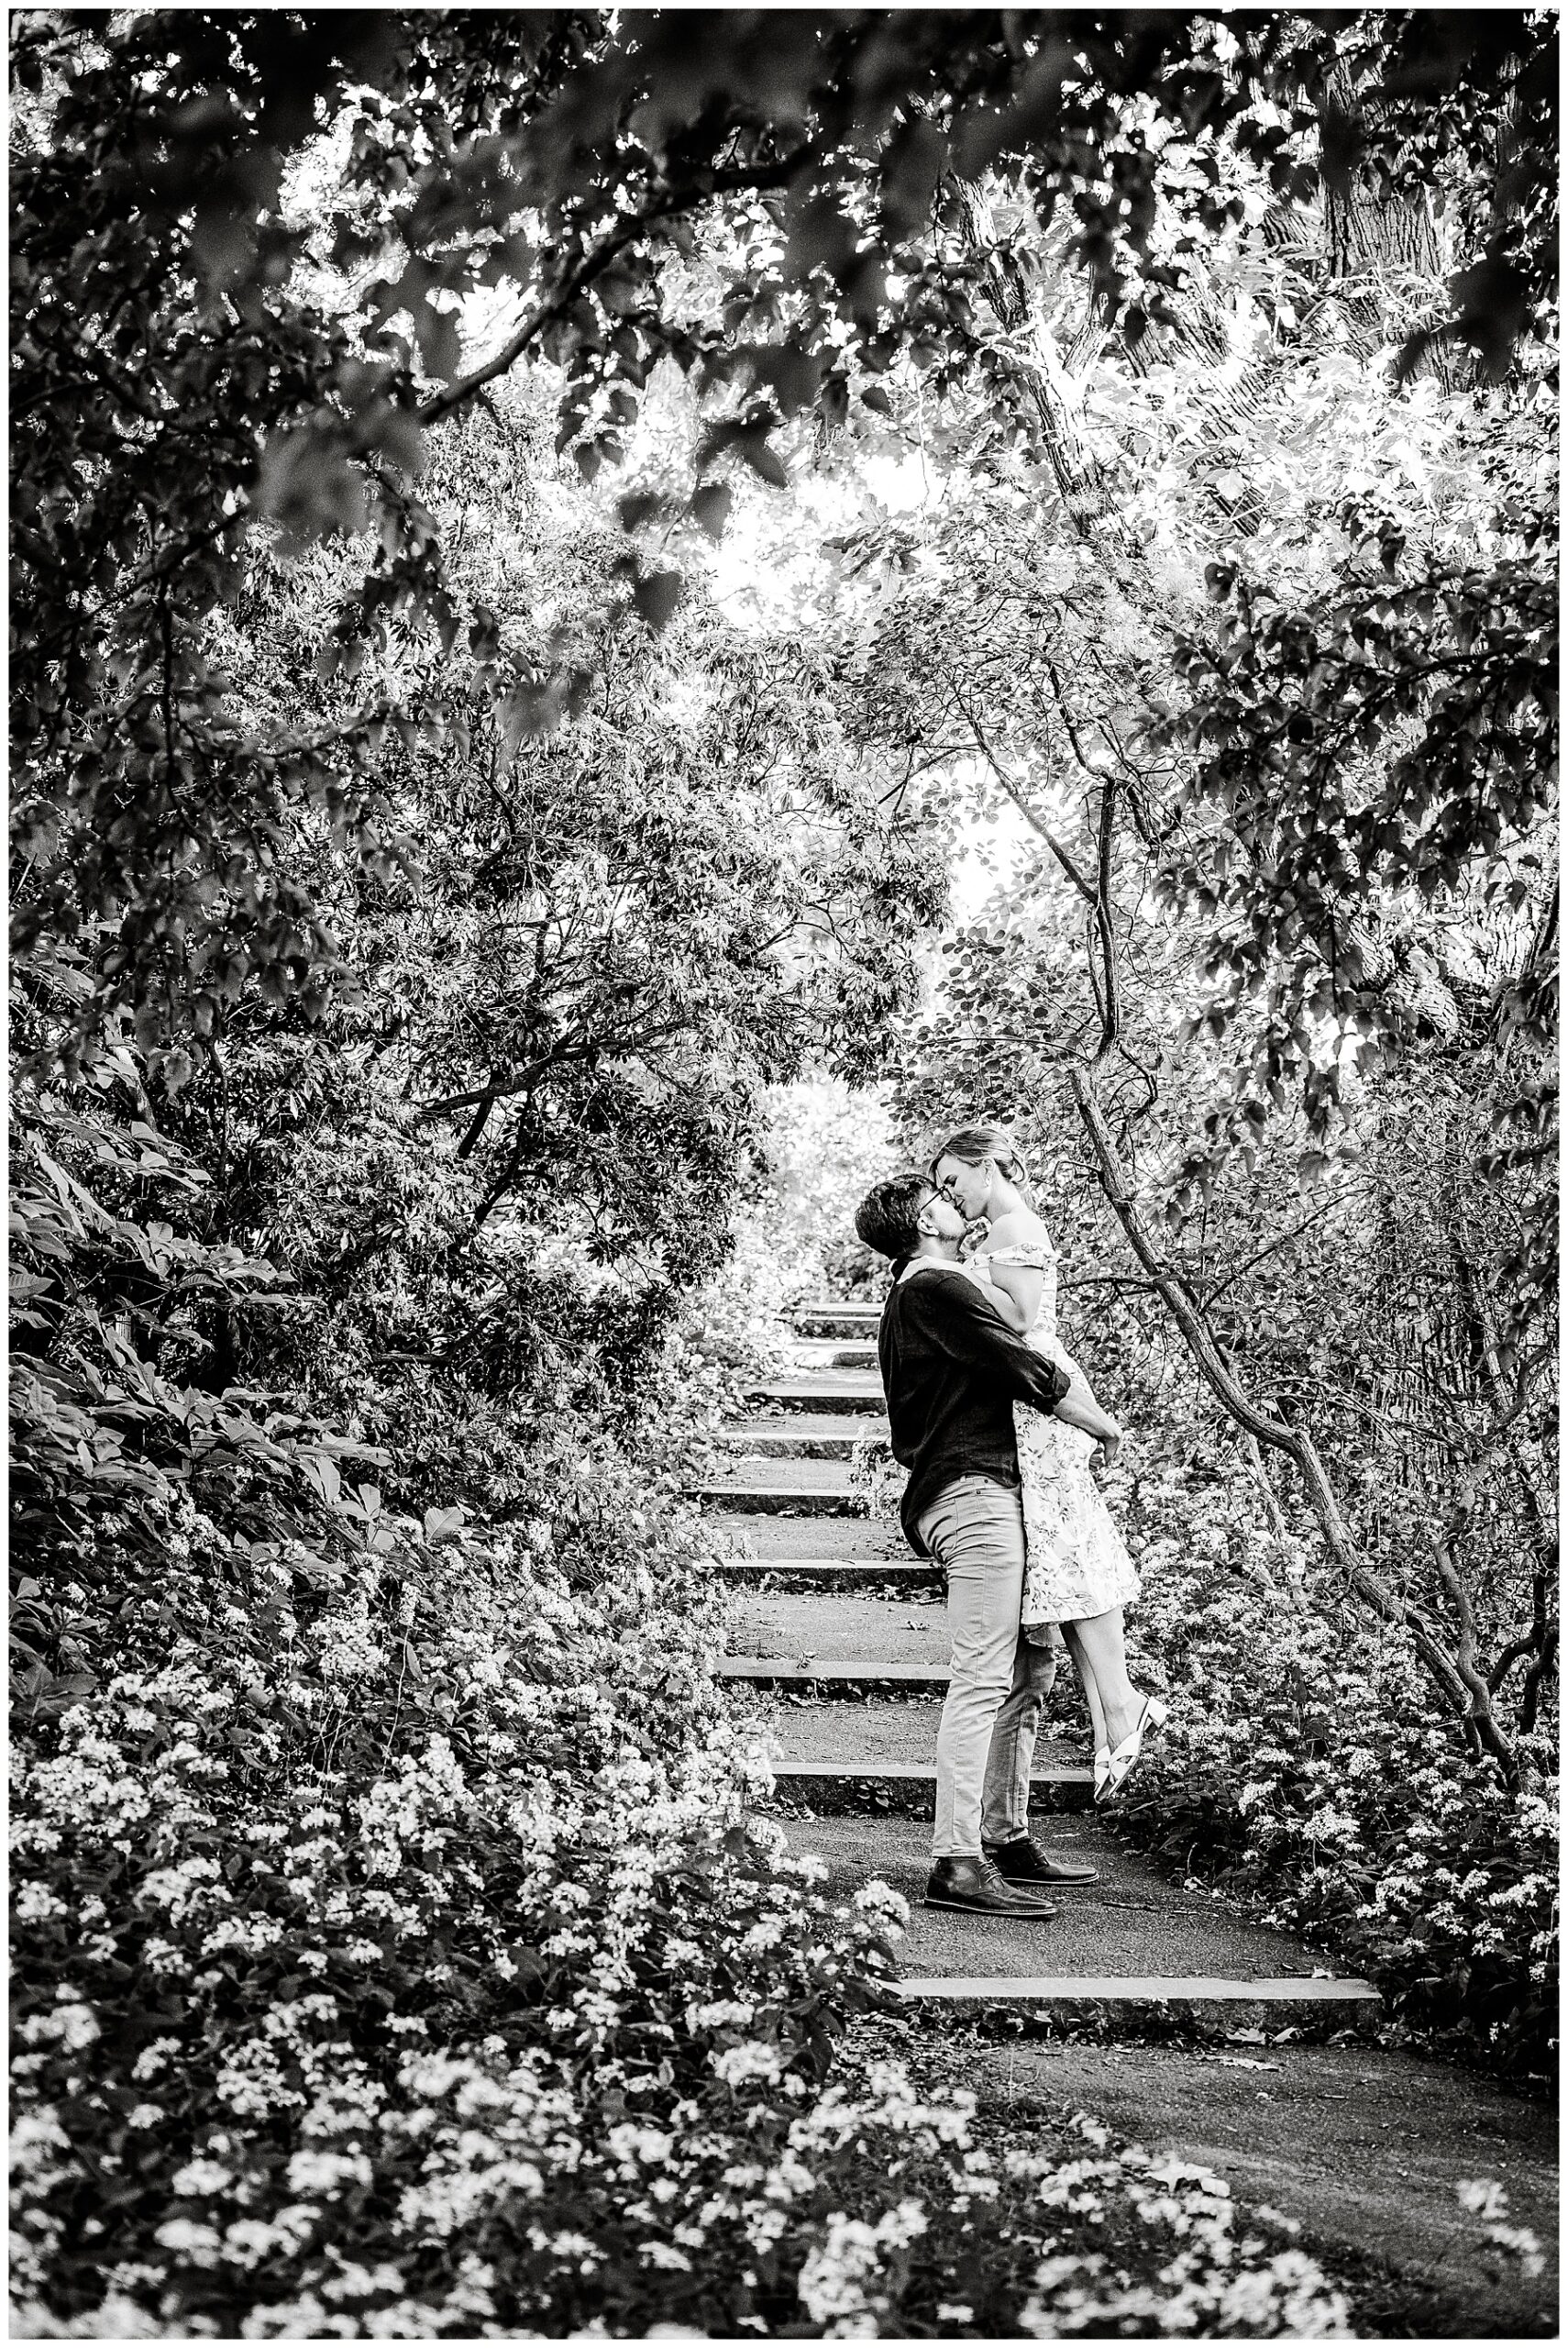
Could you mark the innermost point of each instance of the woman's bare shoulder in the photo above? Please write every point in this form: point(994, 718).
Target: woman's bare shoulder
point(1021, 1228)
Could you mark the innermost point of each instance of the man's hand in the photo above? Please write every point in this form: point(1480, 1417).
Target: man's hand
point(1107, 1448)
point(1078, 1408)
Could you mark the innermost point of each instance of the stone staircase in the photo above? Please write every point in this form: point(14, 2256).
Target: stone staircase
point(838, 1651)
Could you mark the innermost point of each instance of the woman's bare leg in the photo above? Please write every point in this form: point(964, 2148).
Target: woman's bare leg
point(1085, 1670)
point(1099, 1641)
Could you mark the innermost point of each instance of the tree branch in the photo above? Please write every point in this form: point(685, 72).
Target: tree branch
point(1110, 1009)
point(1085, 888)
point(488, 1095)
point(599, 256)
point(1295, 1442)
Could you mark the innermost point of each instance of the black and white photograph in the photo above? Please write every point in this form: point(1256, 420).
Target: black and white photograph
point(782, 1149)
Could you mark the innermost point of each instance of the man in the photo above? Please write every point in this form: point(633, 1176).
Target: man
point(952, 1369)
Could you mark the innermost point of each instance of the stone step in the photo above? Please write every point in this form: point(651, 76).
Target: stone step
point(900, 1733)
point(846, 1539)
point(1132, 1938)
point(884, 1753)
point(784, 1487)
point(846, 1393)
point(820, 1629)
point(1142, 1989)
point(818, 1357)
point(804, 1435)
point(1057, 1786)
point(1043, 1771)
point(752, 1496)
point(781, 1475)
point(887, 1753)
point(853, 1671)
point(835, 1573)
point(826, 1319)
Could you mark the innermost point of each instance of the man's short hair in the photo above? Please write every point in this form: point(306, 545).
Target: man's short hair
point(888, 1217)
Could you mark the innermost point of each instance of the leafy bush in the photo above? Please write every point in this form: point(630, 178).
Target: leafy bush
point(1302, 1771)
point(736, 1318)
point(471, 1794)
point(827, 1144)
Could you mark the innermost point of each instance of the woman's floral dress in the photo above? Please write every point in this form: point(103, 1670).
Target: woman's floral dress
point(1078, 1565)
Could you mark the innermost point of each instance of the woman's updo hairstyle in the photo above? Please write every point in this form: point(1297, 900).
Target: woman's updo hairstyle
point(972, 1144)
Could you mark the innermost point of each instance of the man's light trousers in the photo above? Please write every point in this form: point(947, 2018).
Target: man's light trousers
point(1000, 1680)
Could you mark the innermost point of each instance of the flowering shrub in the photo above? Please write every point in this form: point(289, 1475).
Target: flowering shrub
point(735, 1318)
point(1217, 2286)
point(394, 1959)
point(355, 1905)
point(874, 1475)
point(1302, 1770)
point(1485, 2197)
point(1073, 2236)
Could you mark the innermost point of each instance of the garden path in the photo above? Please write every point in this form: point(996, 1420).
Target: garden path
point(837, 1654)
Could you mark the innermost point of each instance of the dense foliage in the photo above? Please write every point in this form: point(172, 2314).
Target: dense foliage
point(450, 784)
point(1303, 1772)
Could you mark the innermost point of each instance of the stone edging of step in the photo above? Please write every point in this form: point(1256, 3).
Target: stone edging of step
point(917, 1773)
point(1157, 1990)
point(863, 1673)
point(920, 1569)
point(742, 1499)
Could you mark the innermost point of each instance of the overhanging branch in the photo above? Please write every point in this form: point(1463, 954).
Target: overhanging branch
point(597, 257)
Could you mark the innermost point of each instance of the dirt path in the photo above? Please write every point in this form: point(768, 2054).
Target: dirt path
point(1362, 2145)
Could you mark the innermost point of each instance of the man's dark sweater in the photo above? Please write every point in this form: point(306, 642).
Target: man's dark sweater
point(952, 1369)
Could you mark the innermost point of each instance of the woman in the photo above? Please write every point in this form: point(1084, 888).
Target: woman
point(1080, 1575)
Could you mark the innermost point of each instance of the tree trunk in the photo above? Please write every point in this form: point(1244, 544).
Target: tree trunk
point(1540, 1641)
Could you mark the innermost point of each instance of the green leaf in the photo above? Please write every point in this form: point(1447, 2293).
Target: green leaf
point(657, 594)
point(763, 461)
point(710, 507)
point(321, 1472)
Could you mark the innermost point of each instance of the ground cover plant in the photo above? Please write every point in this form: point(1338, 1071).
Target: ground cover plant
point(486, 706)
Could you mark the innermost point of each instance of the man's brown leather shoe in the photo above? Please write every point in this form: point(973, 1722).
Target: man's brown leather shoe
point(1024, 1862)
point(975, 1885)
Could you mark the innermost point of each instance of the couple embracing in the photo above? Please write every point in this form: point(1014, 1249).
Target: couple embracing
point(997, 1428)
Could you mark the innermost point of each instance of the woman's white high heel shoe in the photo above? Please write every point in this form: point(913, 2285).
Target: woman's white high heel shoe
point(1125, 1758)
